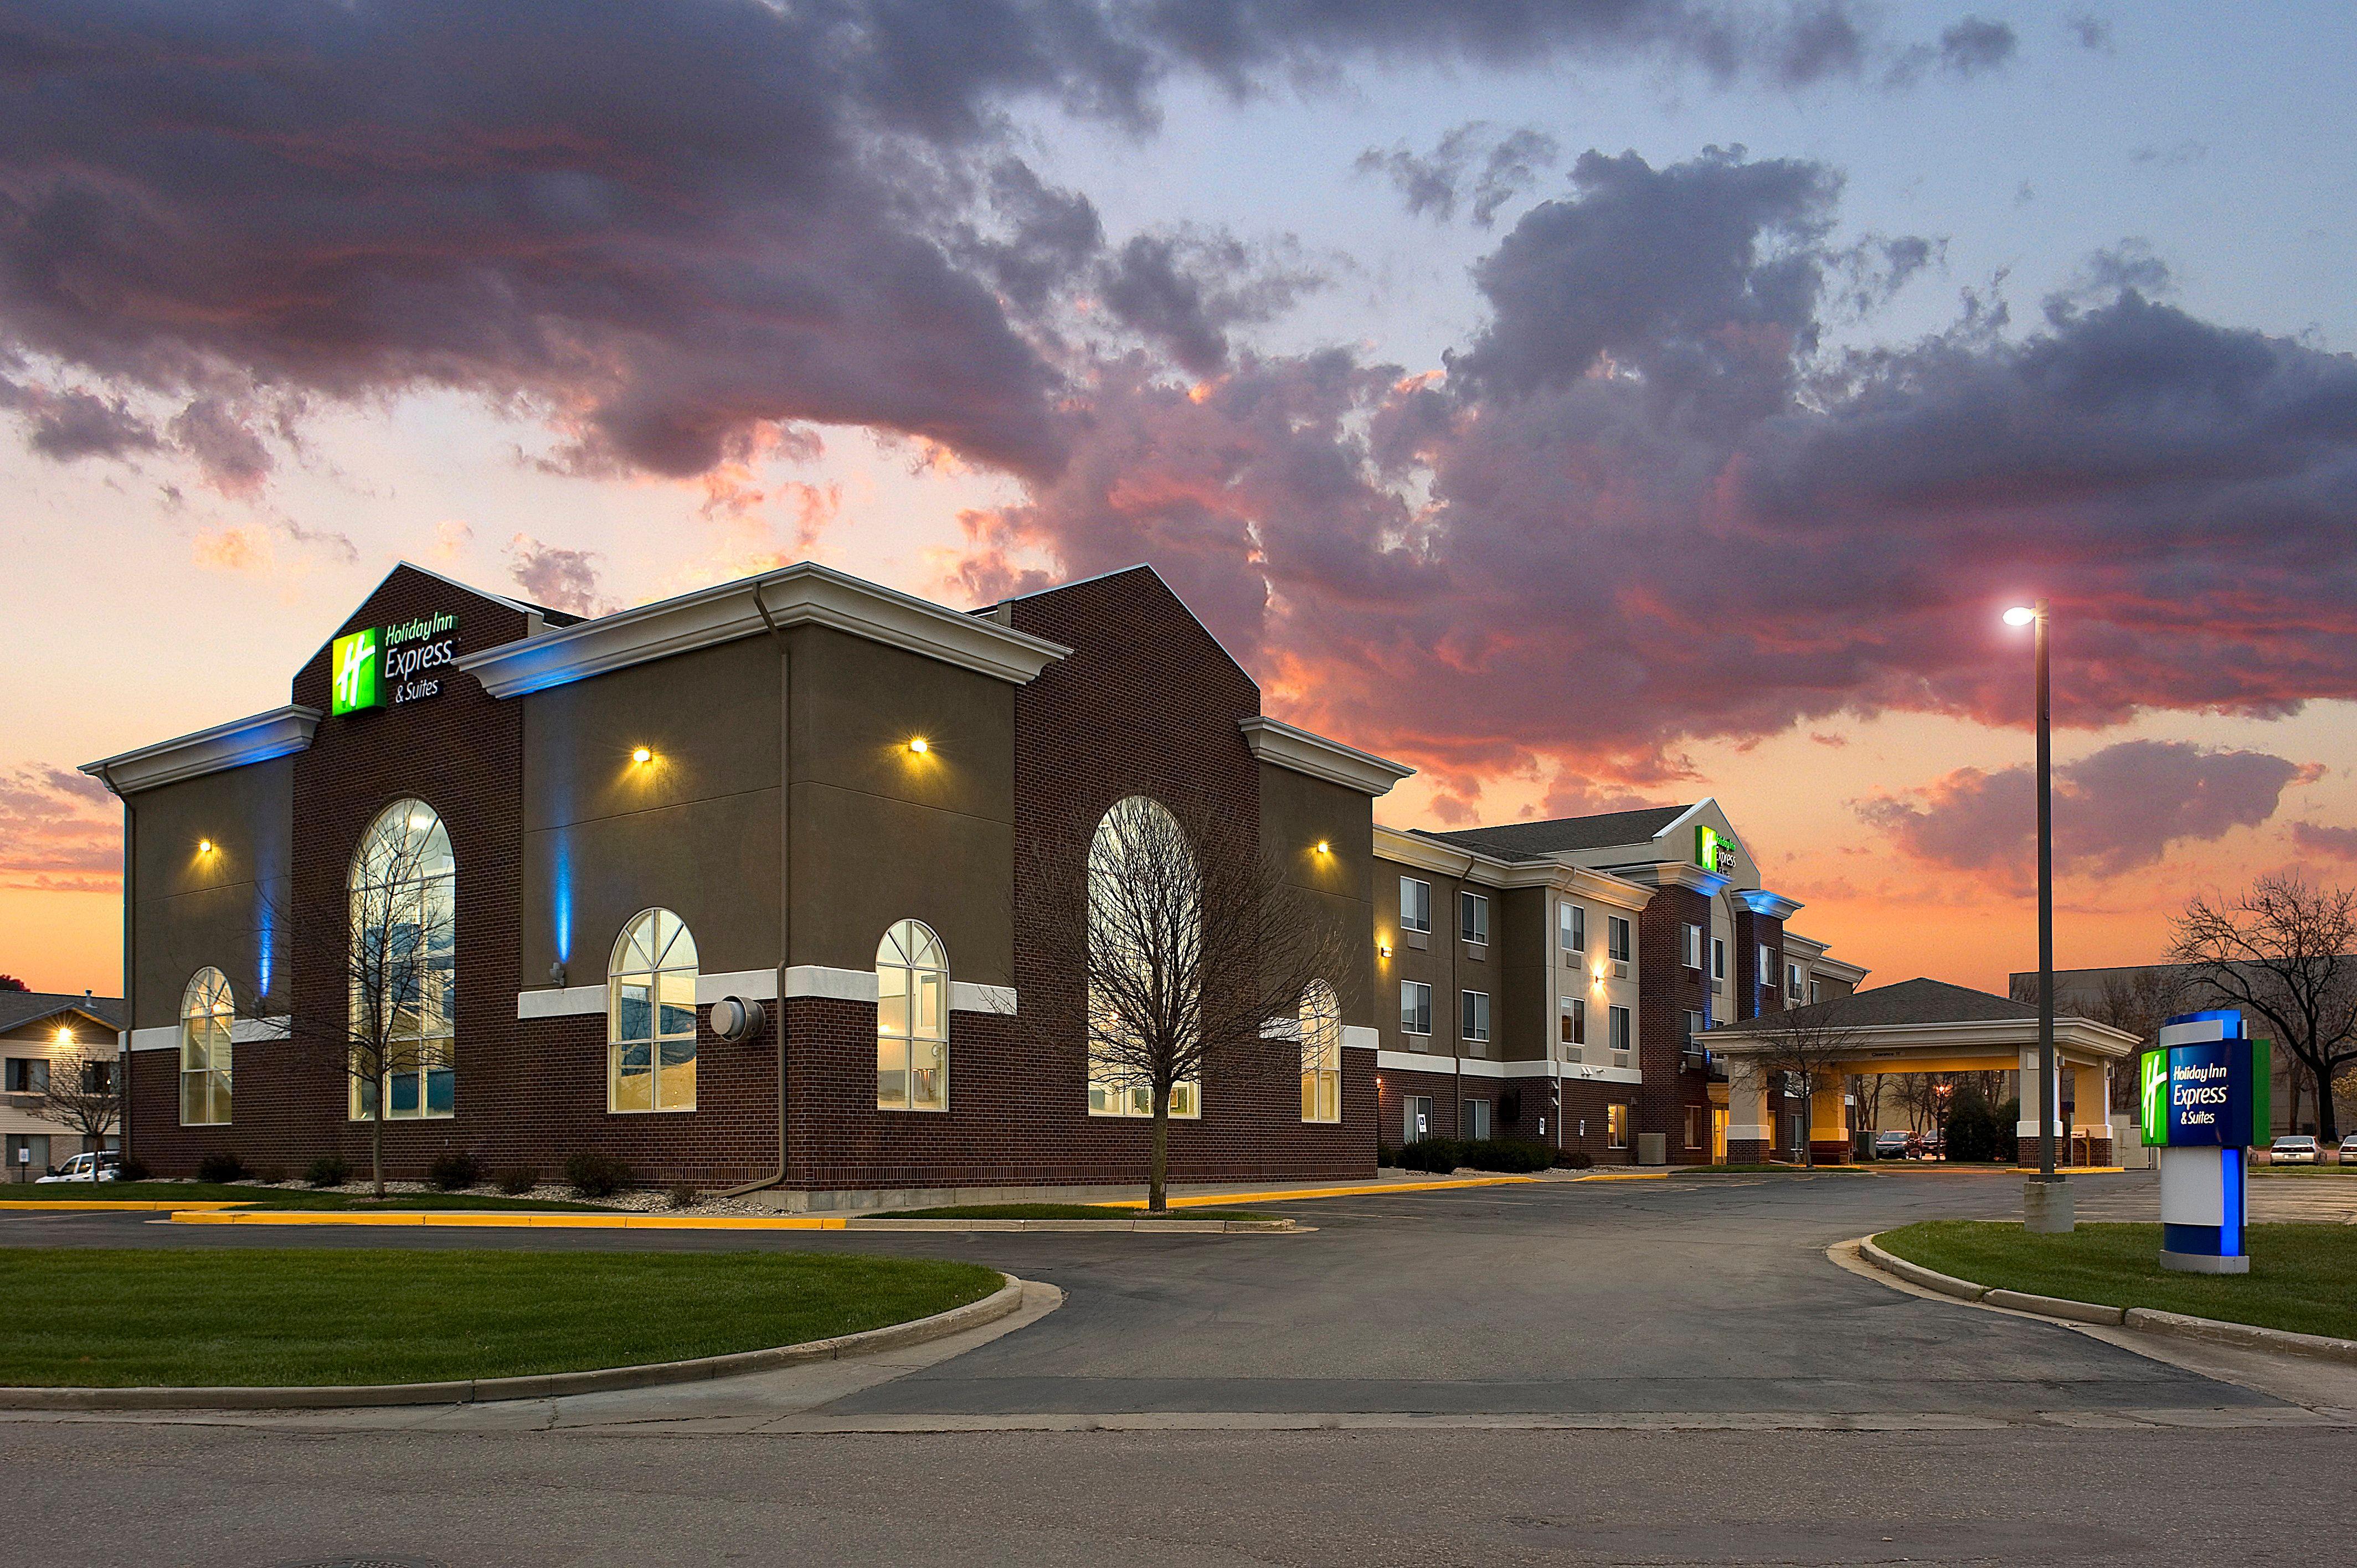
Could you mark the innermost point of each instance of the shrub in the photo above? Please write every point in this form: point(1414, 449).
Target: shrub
point(1386, 1157)
point(1436, 1156)
point(1573, 1159)
point(271, 1175)
point(328, 1170)
point(454, 1172)
point(597, 1175)
point(1972, 1130)
point(683, 1194)
point(132, 1168)
point(515, 1183)
point(222, 1165)
point(1507, 1154)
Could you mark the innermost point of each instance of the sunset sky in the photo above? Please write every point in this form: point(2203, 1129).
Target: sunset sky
point(1587, 404)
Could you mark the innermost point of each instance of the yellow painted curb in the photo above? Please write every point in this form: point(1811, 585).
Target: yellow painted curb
point(513, 1220)
point(128, 1206)
point(1212, 1200)
point(1626, 1175)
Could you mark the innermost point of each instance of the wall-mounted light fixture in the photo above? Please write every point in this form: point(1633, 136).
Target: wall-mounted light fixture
point(1383, 948)
point(920, 745)
point(642, 757)
point(65, 1036)
point(1325, 848)
point(204, 846)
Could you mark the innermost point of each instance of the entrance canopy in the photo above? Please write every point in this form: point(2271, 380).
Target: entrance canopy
point(1916, 1025)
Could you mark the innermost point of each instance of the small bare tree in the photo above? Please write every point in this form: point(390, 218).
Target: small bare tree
point(1195, 951)
point(2137, 1002)
point(80, 1094)
point(2286, 950)
point(394, 957)
point(1808, 1045)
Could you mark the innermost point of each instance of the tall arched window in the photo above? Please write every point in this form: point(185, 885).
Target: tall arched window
point(651, 1016)
point(1321, 1054)
point(912, 1020)
point(401, 966)
point(1145, 956)
point(207, 1011)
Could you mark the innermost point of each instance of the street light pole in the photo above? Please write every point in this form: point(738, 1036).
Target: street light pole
point(2047, 1203)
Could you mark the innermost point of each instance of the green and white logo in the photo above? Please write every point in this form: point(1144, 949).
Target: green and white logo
point(2153, 1100)
point(353, 661)
point(1713, 852)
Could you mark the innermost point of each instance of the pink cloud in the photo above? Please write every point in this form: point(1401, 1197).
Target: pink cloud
point(59, 832)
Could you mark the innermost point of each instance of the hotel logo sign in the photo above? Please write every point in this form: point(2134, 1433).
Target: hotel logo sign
point(1713, 852)
point(383, 664)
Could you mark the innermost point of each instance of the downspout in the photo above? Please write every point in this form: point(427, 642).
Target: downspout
point(130, 969)
point(785, 901)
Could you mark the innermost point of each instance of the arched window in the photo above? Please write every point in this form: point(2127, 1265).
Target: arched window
point(207, 1011)
point(401, 966)
point(1321, 1054)
point(651, 1016)
point(912, 1020)
point(1145, 955)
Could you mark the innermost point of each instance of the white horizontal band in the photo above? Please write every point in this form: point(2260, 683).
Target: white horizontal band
point(1359, 1037)
point(241, 1032)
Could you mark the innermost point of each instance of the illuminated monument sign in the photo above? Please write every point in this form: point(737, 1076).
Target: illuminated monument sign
point(378, 665)
point(2203, 1102)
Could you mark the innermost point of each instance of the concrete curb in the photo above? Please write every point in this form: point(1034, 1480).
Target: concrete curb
point(2140, 1319)
point(494, 1219)
point(999, 1304)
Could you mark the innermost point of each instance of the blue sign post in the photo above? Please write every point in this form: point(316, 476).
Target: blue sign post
point(2204, 1102)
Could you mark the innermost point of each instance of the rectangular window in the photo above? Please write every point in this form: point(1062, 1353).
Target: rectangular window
point(1693, 946)
point(1415, 905)
point(1571, 927)
point(1476, 1118)
point(1616, 931)
point(1816, 993)
point(1718, 958)
point(28, 1155)
point(1764, 965)
point(1415, 1007)
point(1477, 1015)
point(1793, 988)
point(28, 1075)
point(98, 1078)
point(1618, 1023)
point(1694, 1115)
point(1415, 1118)
point(1616, 1124)
point(1473, 918)
point(1695, 1027)
point(1575, 1024)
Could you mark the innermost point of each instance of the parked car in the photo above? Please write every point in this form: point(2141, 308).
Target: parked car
point(2349, 1151)
point(86, 1167)
point(1893, 1146)
point(2293, 1149)
point(1935, 1146)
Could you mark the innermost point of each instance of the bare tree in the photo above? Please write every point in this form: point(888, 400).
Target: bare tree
point(2137, 1002)
point(1195, 952)
point(1923, 1095)
point(80, 1094)
point(1870, 1089)
point(1807, 1045)
point(2286, 950)
point(395, 958)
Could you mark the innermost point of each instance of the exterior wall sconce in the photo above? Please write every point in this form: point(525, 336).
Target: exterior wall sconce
point(204, 846)
point(556, 972)
point(1324, 848)
point(920, 745)
point(642, 757)
point(1384, 949)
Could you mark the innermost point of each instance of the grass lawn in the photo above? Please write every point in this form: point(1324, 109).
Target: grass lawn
point(2303, 1277)
point(1062, 1211)
point(291, 1195)
point(188, 1318)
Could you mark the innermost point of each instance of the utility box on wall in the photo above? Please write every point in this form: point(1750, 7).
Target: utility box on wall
point(1652, 1148)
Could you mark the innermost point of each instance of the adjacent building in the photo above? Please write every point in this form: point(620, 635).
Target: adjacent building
point(42, 1033)
point(742, 888)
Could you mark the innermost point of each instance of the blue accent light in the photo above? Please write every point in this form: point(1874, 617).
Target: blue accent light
point(563, 902)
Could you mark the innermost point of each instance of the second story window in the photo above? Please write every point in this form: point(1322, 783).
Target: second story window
point(1571, 927)
point(1575, 1024)
point(1473, 918)
point(1415, 1007)
point(1763, 969)
point(1477, 1016)
point(1718, 958)
point(1695, 1024)
point(1415, 905)
point(1793, 989)
point(1620, 1025)
point(1616, 931)
point(1693, 945)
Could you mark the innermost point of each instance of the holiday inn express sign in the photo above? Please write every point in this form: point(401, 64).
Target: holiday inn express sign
point(382, 664)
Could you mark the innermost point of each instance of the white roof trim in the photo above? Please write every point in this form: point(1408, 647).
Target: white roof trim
point(1284, 746)
point(2082, 1035)
point(1760, 901)
point(1422, 852)
point(233, 744)
point(804, 593)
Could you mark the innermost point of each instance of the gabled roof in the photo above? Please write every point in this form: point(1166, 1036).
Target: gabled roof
point(1530, 841)
point(1909, 1002)
point(18, 1008)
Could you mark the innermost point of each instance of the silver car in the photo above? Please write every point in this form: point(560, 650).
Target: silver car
point(2293, 1149)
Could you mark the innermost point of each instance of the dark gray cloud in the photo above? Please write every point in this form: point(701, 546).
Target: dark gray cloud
point(76, 423)
point(2327, 842)
point(1473, 164)
point(1643, 509)
point(1182, 291)
point(1966, 48)
point(662, 223)
point(2117, 810)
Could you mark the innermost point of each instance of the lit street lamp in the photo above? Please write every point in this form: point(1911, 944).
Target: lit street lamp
point(2045, 1204)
